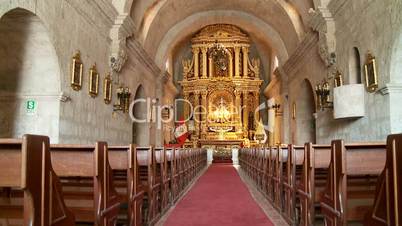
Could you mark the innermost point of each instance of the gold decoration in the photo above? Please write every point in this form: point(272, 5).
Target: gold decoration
point(370, 70)
point(76, 72)
point(222, 70)
point(93, 87)
point(107, 89)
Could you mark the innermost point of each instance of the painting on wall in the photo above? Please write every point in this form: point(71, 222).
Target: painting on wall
point(76, 72)
point(93, 82)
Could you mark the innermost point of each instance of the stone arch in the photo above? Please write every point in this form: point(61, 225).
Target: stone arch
point(305, 109)
point(355, 70)
point(140, 124)
point(30, 74)
point(258, 30)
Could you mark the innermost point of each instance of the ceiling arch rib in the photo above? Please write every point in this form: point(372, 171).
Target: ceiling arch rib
point(261, 33)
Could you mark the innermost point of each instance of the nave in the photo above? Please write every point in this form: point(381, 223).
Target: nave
point(219, 197)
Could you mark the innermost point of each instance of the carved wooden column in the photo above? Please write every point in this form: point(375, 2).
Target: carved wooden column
point(245, 61)
point(196, 114)
point(230, 66)
point(245, 113)
point(204, 62)
point(238, 110)
point(204, 124)
point(186, 106)
point(196, 52)
point(237, 61)
point(257, 113)
point(210, 67)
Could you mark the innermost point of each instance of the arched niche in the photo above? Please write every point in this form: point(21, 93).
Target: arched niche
point(140, 123)
point(355, 71)
point(305, 109)
point(29, 72)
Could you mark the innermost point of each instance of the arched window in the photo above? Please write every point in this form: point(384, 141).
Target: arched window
point(355, 67)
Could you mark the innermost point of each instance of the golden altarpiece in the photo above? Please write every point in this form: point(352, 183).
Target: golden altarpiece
point(222, 84)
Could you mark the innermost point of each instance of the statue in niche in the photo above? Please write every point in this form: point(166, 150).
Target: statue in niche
point(220, 58)
point(187, 68)
point(255, 67)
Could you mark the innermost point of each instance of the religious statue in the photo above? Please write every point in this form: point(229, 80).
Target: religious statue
point(255, 67)
point(187, 67)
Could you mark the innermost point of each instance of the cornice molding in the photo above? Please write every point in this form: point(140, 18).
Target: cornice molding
point(298, 56)
point(391, 88)
point(143, 58)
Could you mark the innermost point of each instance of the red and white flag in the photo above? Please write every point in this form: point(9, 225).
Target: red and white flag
point(181, 132)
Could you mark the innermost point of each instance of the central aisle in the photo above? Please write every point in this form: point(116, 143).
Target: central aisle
point(218, 198)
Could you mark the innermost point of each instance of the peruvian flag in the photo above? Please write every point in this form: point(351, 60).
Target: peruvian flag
point(181, 132)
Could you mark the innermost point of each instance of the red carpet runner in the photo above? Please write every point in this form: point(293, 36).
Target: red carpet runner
point(219, 198)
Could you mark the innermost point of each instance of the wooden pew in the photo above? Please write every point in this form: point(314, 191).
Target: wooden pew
point(293, 173)
point(124, 158)
point(82, 167)
point(25, 164)
point(279, 164)
point(170, 172)
point(315, 164)
point(387, 206)
point(352, 176)
point(267, 177)
point(148, 179)
point(161, 173)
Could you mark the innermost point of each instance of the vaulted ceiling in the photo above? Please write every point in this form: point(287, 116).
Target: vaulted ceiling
point(277, 25)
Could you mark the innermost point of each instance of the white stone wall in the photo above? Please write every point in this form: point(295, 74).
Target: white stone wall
point(373, 26)
point(85, 26)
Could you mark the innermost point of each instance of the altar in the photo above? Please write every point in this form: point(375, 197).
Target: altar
point(222, 151)
point(220, 87)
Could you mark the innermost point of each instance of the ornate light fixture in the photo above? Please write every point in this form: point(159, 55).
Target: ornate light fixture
point(221, 118)
point(123, 99)
point(323, 96)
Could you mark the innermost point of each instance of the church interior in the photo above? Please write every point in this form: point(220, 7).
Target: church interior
point(199, 113)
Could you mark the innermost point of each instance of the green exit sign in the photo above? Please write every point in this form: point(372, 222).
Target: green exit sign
point(31, 106)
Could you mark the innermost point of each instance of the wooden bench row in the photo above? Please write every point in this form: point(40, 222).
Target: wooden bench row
point(335, 184)
point(42, 184)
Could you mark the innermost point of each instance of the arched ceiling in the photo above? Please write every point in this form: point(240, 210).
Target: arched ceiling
point(163, 24)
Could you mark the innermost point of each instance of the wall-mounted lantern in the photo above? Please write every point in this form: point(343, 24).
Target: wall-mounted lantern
point(123, 100)
point(323, 96)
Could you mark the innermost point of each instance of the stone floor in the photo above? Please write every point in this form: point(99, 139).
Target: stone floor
point(259, 198)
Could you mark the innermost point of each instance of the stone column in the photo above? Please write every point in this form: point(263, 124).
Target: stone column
point(245, 114)
point(196, 52)
point(204, 123)
point(211, 67)
point(196, 115)
point(204, 62)
point(230, 65)
point(237, 61)
point(245, 61)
